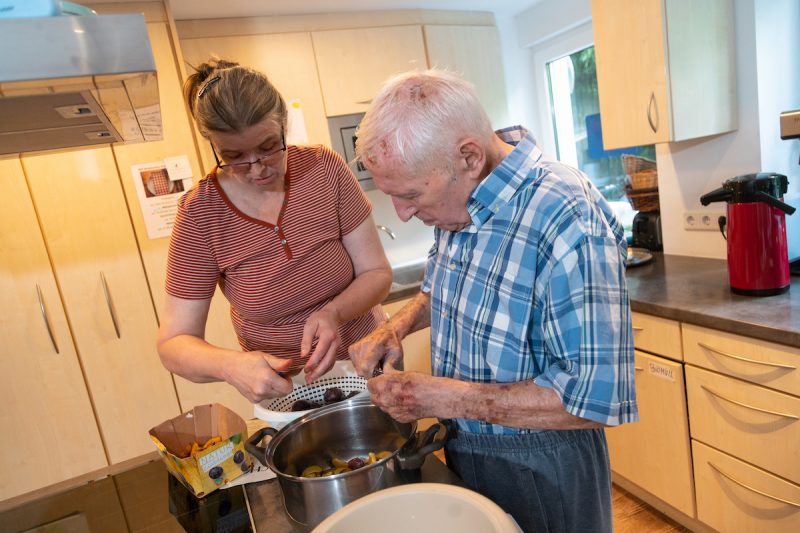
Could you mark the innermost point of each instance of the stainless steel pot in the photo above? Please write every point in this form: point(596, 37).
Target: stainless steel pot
point(345, 430)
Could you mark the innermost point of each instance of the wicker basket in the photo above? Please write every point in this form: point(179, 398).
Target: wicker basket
point(642, 172)
point(277, 412)
point(643, 200)
point(634, 163)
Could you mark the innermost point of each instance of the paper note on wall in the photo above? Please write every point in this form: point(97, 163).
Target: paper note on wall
point(158, 196)
point(296, 124)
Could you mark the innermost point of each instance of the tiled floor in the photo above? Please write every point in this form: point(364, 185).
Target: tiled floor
point(138, 501)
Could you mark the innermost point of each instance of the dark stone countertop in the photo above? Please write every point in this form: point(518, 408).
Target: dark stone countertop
point(695, 290)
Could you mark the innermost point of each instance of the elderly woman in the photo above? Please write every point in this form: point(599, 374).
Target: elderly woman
point(284, 230)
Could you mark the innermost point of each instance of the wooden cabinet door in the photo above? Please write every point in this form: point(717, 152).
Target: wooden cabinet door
point(654, 453)
point(49, 433)
point(87, 227)
point(177, 140)
point(474, 52)
point(353, 64)
point(631, 71)
point(288, 61)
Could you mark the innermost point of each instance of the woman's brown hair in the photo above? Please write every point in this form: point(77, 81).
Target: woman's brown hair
point(224, 96)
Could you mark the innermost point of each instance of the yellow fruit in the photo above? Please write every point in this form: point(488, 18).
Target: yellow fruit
point(338, 462)
point(312, 471)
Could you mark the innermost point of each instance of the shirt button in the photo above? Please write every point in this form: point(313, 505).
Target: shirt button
point(451, 266)
point(277, 229)
point(283, 241)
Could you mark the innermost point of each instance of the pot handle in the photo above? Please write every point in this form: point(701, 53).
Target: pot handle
point(254, 449)
point(414, 452)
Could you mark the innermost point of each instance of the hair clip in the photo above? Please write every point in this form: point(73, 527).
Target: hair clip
point(207, 86)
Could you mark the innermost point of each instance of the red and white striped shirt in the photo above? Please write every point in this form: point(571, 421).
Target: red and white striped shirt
point(274, 276)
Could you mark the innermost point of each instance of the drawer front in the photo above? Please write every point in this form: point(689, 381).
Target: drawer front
point(733, 496)
point(657, 335)
point(758, 425)
point(765, 363)
point(654, 453)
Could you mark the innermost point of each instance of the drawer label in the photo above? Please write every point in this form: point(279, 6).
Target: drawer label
point(661, 371)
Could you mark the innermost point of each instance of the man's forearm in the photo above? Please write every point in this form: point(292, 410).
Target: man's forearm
point(522, 405)
point(414, 316)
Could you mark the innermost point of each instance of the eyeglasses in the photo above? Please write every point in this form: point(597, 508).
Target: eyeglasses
point(244, 166)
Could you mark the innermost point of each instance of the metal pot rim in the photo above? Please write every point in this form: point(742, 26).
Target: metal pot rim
point(318, 413)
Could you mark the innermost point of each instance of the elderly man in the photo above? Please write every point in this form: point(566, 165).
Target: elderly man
point(531, 342)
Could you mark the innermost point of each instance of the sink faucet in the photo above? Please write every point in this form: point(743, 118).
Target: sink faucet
point(386, 230)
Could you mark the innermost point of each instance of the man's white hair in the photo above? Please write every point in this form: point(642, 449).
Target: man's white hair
point(419, 117)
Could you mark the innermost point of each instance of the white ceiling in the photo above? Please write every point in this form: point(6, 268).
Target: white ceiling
point(198, 9)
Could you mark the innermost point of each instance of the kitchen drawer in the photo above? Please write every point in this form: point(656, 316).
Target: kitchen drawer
point(733, 496)
point(756, 424)
point(657, 335)
point(773, 365)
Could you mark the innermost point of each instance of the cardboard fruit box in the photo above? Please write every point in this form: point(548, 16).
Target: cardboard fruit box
point(204, 448)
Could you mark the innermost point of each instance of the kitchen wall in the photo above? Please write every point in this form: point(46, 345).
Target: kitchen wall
point(768, 79)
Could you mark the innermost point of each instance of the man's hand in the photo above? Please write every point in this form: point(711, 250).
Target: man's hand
point(255, 375)
point(380, 345)
point(405, 396)
point(322, 326)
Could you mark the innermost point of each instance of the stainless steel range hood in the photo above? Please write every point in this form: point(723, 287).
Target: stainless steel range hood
point(76, 81)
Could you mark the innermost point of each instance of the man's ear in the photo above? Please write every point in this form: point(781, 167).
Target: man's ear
point(473, 155)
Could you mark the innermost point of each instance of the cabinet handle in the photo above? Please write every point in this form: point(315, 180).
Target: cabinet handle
point(637, 328)
point(751, 489)
point(652, 106)
point(745, 359)
point(364, 102)
point(638, 368)
point(759, 409)
point(46, 318)
point(110, 304)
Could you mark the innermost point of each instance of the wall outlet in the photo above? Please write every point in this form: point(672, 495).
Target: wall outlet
point(701, 221)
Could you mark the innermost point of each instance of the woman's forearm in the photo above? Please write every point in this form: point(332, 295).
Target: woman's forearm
point(194, 358)
point(367, 290)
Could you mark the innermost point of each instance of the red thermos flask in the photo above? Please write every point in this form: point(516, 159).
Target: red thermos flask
point(758, 259)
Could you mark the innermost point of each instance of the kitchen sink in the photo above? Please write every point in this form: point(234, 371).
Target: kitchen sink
point(408, 275)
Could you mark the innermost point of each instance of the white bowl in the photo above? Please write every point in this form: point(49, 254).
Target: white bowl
point(420, 508)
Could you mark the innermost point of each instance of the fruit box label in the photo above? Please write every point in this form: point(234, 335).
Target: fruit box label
point(205, 470)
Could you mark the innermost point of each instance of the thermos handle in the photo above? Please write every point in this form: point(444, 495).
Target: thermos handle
point(774, 202)
point(717, 195)
point(722, 221)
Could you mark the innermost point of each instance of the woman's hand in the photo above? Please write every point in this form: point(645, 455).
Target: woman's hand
point(255, 375)
point(382, 344)
point(323, 327)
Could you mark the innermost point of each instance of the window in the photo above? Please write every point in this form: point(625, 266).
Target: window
point(570, 126)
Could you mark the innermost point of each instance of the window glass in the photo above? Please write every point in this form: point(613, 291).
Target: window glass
point(575, 116)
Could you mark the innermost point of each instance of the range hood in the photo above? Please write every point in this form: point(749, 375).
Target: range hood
point(70, 81)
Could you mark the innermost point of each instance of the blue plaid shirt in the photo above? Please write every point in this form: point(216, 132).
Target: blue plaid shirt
point(534, 289)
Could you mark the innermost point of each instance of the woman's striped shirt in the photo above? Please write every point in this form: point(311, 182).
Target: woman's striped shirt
point(274, 276)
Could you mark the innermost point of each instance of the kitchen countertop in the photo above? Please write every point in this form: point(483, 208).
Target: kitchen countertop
point(696, 290)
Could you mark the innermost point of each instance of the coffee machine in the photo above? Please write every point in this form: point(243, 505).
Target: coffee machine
point(758, 263)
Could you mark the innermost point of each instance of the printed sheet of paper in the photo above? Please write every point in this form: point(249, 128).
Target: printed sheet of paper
point(295, 123)
point(158, 196)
